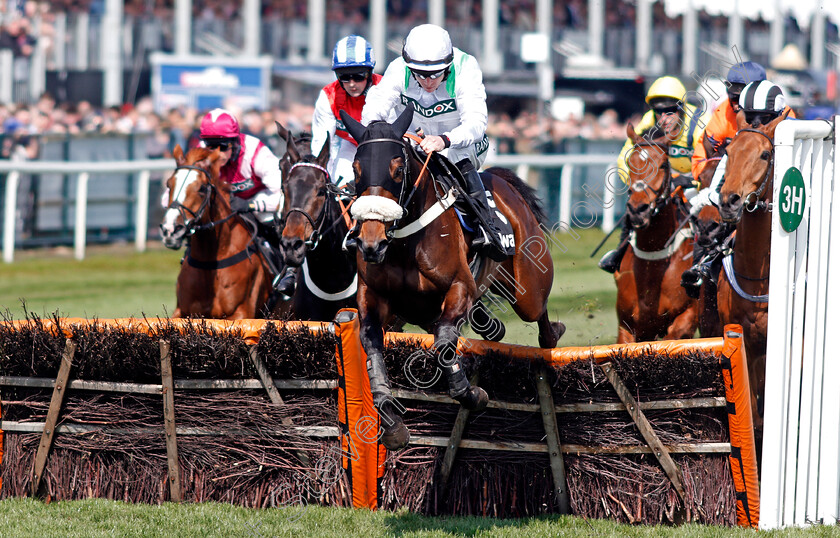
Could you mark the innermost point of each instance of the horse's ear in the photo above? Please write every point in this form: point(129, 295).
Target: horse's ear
point(178, 153)
point(355, 128)
point(291, 148)
point(404, 121)
point(324, 156)
point(282, 132)
point(741, 120)
point(771, 127)
point(631, 132)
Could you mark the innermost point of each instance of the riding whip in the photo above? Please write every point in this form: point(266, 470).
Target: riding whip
point(618, 225)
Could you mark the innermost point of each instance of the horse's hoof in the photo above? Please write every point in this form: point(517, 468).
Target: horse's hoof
point(475, 399)
point(396, 437)
point(559, 328)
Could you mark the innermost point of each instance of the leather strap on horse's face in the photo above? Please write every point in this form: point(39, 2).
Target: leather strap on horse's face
point(384, 180)
point(331, 193)
point(759, 192)
point(182, 209)
point(661, 197)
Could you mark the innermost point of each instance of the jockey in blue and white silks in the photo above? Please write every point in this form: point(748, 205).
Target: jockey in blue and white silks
point(445, 87)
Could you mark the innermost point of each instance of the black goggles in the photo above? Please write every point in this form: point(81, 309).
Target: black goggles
point(423, 75)
point(761, 117)
point(667, 109)
point(223, 145)
point(355, 77)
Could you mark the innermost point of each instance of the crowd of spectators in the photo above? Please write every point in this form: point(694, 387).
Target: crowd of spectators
point(517, 13)
point(22, 125)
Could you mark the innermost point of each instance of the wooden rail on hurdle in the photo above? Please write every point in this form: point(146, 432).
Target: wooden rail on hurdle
point(359, 428)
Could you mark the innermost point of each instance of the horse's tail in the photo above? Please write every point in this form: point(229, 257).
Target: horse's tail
point(522, 188)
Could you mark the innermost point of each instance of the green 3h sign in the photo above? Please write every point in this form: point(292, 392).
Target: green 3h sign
point(792, 200)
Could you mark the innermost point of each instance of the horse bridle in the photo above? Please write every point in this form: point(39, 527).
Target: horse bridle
point(317, 225)
point(403, 199)
point(766, 206)
point(663, 195)
point(205, 203)
point(183, 210)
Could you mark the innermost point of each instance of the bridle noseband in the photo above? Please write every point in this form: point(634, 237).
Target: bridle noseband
point(205, 203)
point(318, 224)
point(758, 193)
point(663, 195)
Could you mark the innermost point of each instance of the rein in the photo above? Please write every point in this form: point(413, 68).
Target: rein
point(760, 204)
point(192, 229)
point(318, 231)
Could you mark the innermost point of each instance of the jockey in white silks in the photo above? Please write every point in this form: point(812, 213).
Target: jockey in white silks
point(444, 86)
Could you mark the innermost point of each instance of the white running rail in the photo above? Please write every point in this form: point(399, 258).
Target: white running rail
point(800, 478)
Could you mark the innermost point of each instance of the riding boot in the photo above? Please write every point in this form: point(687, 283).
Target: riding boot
point(489, 241)
point(284, 282)
point(472, 398)
point(699, 272)
point(611, 261)
point(395, 434)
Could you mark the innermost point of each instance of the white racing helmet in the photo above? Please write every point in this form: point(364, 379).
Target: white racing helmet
point(427, 48)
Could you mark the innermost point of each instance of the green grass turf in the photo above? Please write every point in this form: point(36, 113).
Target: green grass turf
point(93, 518)
point(115, 281)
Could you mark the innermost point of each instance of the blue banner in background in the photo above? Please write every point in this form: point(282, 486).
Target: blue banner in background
point(206, 82)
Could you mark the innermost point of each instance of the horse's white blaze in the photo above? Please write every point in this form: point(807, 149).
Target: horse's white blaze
point(376, 208)
point(638, 186)
point(183, 178)
point(643, 154)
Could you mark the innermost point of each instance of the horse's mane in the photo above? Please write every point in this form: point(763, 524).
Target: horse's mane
point(198, 154)
point(522, 188)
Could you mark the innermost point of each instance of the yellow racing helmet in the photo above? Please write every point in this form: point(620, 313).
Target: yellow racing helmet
point(666, 87)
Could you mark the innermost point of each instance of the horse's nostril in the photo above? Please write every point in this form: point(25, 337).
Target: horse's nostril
point(734, 199)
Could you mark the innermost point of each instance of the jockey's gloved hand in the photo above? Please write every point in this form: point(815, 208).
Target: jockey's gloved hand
point(259, 205)
point(700, 201)
point(239, 205)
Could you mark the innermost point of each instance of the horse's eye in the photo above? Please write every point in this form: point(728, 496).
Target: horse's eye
point(765, 155)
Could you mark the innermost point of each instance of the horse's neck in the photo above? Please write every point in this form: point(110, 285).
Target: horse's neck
point(654, 236)
point(223, 240)
point(752, 244)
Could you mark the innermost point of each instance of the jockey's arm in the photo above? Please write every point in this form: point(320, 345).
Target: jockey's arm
point(323, 123)
point(471, 100)
point(267, 168)
point(384, 97)
point(698, 158)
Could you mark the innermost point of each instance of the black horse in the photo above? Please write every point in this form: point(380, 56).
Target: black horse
point(314, 223)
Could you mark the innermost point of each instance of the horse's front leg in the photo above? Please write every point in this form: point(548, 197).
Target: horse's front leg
point(373, 311)
point(455, 307)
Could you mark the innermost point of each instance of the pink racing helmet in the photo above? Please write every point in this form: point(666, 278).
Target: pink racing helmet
point(219, 123)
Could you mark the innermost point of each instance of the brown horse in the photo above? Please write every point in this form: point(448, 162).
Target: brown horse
point(651, 303)
point(313, 230)
point(709, 232)
point(746, 199)
point(223, 274)
point(413, 260)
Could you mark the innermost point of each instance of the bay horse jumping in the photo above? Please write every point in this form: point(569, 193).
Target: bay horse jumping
point(746, 199)
point(412, 257)
point(651, 303)
point(314, 224)
point(224, 274)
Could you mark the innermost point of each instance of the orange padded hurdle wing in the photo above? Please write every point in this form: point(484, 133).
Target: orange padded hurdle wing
point(742, 458)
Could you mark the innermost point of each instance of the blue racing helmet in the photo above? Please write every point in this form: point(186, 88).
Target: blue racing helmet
point(746, 72)
point(353, 51)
